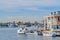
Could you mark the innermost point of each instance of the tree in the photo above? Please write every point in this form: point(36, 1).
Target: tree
point(19, 23)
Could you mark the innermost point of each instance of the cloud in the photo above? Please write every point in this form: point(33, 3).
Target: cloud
point(27, 6)
point(28, 3)
point(34, 5)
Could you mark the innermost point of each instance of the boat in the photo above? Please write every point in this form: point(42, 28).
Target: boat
point(57, 32)
point(25, 31)
point(49, 33)
point(21, 31)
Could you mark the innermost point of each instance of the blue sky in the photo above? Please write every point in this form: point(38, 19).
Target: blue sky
point(34, 8)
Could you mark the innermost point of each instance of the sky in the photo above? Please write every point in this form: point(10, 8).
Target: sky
point(26, 10)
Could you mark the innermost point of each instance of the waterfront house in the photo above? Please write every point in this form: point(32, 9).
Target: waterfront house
point(52, 22)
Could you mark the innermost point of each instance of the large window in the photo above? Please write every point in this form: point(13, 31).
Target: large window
point(56, 26)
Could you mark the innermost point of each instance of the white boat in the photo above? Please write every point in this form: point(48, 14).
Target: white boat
point(57, 32)
point(49, 33)
point(21, 31)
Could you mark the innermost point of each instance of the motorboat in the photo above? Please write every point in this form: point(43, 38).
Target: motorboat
point(49, 33)
point(21, 31)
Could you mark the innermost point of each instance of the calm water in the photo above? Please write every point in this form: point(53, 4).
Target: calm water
point(10, 34)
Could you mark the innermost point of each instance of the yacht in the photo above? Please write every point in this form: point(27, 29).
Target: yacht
point(21, 31)
point(49, 33)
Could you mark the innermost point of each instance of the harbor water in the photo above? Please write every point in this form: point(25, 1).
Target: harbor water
point(11, 34)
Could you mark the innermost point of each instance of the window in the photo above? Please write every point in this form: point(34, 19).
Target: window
point(58, 26)
point(58, 18)
point(54, 26)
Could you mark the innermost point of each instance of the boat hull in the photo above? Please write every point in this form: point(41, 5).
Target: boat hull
point(35, 33)
point(49, 33)
point(52, 35)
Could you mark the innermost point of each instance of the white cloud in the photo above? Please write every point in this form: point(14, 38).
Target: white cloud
point(8, 5)
point(36, 9)
point(28, 3)
point(34, 5)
